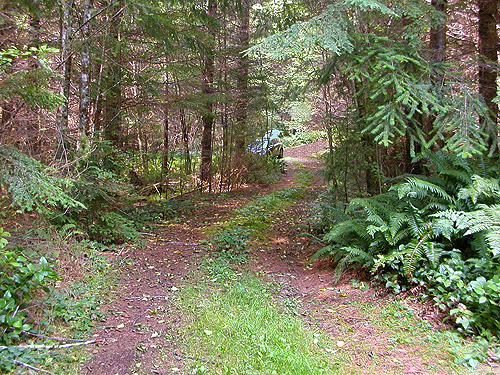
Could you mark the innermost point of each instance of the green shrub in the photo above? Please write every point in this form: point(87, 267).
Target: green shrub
point(263, 169)
point(231, 243)
point(440, 231)
point(113, 227)
point(151, 212)
point(32, 185)
point(20, 280)
point(303, 138)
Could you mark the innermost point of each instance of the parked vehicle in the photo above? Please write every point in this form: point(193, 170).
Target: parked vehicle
point(269, 144)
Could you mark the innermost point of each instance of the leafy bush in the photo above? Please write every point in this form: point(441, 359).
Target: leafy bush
point(231, 242)
point(441, 231)
point(264, 169)
point(20, 280)
point(303, 138)
point(152, 212)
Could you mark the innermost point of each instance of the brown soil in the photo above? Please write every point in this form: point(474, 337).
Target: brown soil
point(142, 323)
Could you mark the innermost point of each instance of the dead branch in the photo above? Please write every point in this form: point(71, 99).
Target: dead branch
point(62, 339)
point(49, 347)
point(32, 367)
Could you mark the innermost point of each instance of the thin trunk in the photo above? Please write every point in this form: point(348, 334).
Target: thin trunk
point(437, 37)
point(143, 151)
point(33, 135)
point(112, 106)
point(98, 103)
point(185, 141)
point(83, 114)
point(241, 111)
point(488, 62)
point(208, 113)
point(166, 140)
point(62, 115)
point(437, 46)
point(8, 30)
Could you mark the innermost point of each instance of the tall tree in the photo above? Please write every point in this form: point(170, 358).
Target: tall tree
point(66, 61)
point(488, 60)
point(112, 79)
point(83, 115)
point(243, 67)
point(208, 110)
point(437, 38)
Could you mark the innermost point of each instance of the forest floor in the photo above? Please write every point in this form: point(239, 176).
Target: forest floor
point(155, 312)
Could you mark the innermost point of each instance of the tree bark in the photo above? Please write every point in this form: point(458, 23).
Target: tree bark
point(208, 113)
point(62, 115)
point(112, 82)
point(488, 61)
point(83, 109)
point(241, 111)
point(185, 141)
point(166, 139)
point(437, 38)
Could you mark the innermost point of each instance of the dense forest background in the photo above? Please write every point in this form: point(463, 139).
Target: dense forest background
point(169, 95)
point(108, 104)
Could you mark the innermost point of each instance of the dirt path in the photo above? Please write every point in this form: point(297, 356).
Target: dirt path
point(142, 323)
point(138, 320)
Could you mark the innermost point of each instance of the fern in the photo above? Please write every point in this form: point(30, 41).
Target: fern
point(414, 252)
point(487, 187)
point(352, 255)
point(421, 189)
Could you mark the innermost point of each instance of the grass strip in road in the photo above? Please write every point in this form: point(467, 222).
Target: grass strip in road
point(237, 328)
point(233, 322)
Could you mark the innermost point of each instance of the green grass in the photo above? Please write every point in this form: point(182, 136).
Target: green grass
point(238, 328)
point(232, 321)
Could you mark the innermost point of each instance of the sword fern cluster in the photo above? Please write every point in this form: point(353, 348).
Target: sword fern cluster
point(407, 234)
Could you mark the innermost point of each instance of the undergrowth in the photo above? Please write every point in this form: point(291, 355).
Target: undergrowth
point(46, 302)
point(233, 317)
point(437, 233)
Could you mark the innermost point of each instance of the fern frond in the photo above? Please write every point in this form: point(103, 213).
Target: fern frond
point(352, 255)
point(443, 227)
point(322, 253)
point(396, 222)
point(460, 176)
point(493, 239)
point(342, 231)
point(489, 187)
point(414, 252)
point(420, 189)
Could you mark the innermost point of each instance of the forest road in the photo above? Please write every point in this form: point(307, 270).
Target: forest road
point(141, 323)
point(143, 332)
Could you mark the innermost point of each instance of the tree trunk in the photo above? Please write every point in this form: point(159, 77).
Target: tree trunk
point(112, 106)
point(208, 113)
point(83, 114)
point(437, 46)
point(62, 115)
point(488, 62)
point(185, 141)
point(242, 80)
point(437, 38)
point(166, 140)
